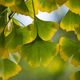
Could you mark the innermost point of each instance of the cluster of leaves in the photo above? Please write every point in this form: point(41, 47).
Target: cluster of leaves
point(34, 42)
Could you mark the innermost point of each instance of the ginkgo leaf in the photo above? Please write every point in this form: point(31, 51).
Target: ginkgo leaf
point(61, 2)
point(20, 7)
point(29, 33)
point(68, 22)
point(3, 21)
point(8, 69)
point(2, 8)
point(15, 38)
point(75, 75)
point(3, 51)
point(29, 5)
point(71, 22)
point(46, 29)
point(70, 48)
point(48, 5)
point(74, 6)
point(7, 3)
point(39, 52)
point(56, 65)
point(24, 7)
point(77, 31)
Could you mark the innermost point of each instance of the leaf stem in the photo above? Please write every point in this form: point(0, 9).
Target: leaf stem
point(33, 8)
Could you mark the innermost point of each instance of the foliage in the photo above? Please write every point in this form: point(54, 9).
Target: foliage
point(33, 43)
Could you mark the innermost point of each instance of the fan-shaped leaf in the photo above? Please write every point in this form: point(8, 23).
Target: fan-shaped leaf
point(8, 69)
point(60, 2)
point(3, 21)
point(7, 3)
point(69, 48)
point(74, 6)
point(46, 29)
point(24, 7)
point(29, 5)
point(39, 52)
point(3, 50)
point(2, 8)
point(15, 38)
point(75, 75)
point(48, 5)
point(71, 22)
point(29, 33)
point(20, 7)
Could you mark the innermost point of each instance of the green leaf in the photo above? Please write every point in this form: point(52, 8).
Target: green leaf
point(24, 7)
point(48, 5)
point(46, 29)
point(70, 48)
point(30, 7)
point(71, 22)
point(8, 69)
point(75, 76)
point(20, 7)
point(39, 52)
point(2, 8)
point(61, 2)
point(14, 39)
point(77, 31)
point(3, 21)
point(7, 3)
point(3, 50)
point(74, 6)
point(29, 33)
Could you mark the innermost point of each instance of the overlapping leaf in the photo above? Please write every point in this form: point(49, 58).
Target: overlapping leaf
point(70, 48)
point(8, 69)
point(29, 33)
point(49, 5)
point(2, 8)
point(74, 6)
point(71, 22)
point(39, 52)
point(7, 3)
point(15, 38)
point(76, 75)
point(20, 7)
point(3, 21)
point(24, 7)
point(3, 50)
point(46, 29)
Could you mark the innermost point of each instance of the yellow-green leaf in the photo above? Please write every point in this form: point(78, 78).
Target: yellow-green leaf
point(3, 21)
point(74, 6)
point(8, 69)
point(3, 50)
point(7, 3)
point(24, 7)
point(75, 76)
point(29, 33)
point(61, 2)
point(48, 5)
point(15, 38)
point(39, 52)
point(70, 48)
point(71, 22)
point(46, 29)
